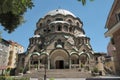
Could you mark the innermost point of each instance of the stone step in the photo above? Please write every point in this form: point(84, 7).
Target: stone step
point(64, 73)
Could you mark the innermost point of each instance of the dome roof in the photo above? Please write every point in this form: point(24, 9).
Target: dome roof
point(60, 11)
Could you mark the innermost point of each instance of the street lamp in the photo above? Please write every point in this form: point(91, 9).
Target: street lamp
point(45, 67)
point(42, 46)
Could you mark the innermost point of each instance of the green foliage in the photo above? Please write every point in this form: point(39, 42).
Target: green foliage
point(15, 6)
point(10, 21)
point(95, 69)
point(21, 69)
point(12, 78)
point(51, 79)
point(82, 65)
point(11, 13)
point(7, 72)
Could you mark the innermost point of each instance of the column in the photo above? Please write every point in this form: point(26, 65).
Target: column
point(79, 63)
point(38, 63)
point(70, 63)
point(48, 63)
point(29, 65)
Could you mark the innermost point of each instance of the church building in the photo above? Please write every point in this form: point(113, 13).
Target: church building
point(59, 42)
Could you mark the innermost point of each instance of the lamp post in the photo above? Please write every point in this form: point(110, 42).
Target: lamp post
point(42, 46)
point(45, 68)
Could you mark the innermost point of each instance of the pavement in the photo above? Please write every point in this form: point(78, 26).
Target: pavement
point(69, 79)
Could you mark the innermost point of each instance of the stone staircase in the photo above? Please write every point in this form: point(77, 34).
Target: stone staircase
point(58, 73)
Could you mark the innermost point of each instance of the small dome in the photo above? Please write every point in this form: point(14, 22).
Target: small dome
point(60, 11)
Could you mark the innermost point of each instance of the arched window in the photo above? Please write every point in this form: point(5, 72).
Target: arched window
point(48, 21)
point(40, 24)
point(52, 28)
point(59, 28)
point(65, 28)
point(59, 19)
point(69, 20)
point(78, 24)
point(70, 29)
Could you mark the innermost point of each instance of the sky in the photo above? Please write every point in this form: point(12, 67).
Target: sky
point(93, 15)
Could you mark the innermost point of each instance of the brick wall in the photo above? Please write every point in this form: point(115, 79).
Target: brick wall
point(116, 38)
point(113, 17)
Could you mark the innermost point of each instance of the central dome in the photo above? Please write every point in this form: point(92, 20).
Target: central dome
point(60, 11)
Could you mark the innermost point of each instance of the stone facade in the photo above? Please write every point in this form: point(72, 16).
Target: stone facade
point(4, 54)
point(14, 50)
point(59, 42)
point(113, 26)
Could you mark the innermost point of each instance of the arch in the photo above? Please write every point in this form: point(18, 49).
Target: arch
point(52, 28)
point(41, 24)
point(65, 28)
point(77, 23)
point(70, 29)
point(44, 53)
point(85, 54)
point(59, 19)
point(51, 53)
point(48, 21)
point(74, 58)
point(43, 58)
point(35, 53)
point(59, 59)
point(34, 59)
point(84, 57)
point(59, 28)
point(70, 21)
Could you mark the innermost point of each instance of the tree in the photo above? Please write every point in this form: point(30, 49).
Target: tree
point(11, 13)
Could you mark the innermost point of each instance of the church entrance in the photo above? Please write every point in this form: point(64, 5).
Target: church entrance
point(59, 59)
point(59, 64)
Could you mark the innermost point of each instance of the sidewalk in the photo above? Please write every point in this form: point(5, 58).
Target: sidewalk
point(69, 79)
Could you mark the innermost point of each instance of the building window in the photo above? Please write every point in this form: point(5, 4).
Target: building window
point(70, 21)
point(59, 19)
point(65, 28)
point(52, 28)
point(112, 41)
point(118, 16)
point(40, 24)
point(78, 24)
point(70, 29)
point(48, 21)
point(59, 28)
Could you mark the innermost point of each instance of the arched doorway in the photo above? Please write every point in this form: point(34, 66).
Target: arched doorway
point(59, 59)
point(34, 60)
point(75, 60)
point(59, 62)
point(84, 58)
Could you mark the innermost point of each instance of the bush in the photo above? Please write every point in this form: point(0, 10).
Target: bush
point(51, 79)
point(95, 70)
point(12, 78)
point(6, 78)
point(21, 69)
